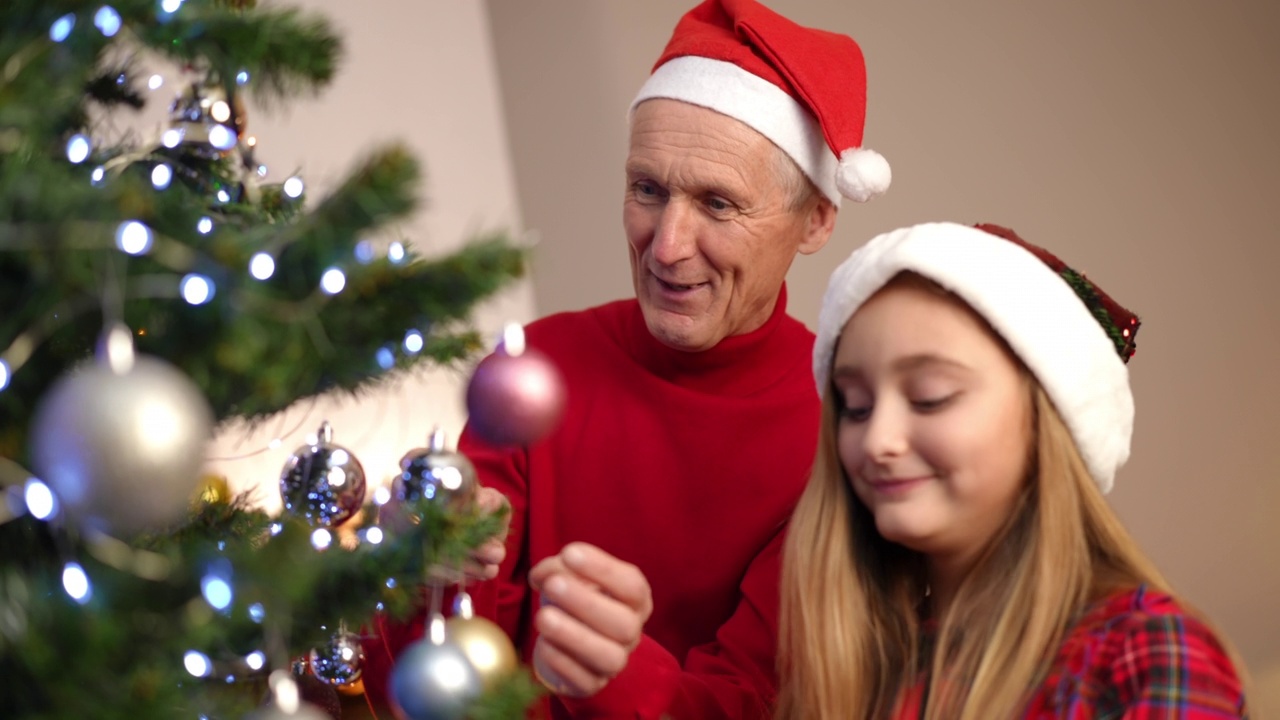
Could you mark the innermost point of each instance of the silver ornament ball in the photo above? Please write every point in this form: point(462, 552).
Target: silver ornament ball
point(323, 483)
point(433, 681)
point(339, 661)
point(434, 474)
point(121, 440)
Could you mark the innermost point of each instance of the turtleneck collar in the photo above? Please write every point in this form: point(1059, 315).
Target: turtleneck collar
point(738, 365)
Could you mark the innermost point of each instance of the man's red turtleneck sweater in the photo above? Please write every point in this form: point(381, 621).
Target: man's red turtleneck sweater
point(684, 464)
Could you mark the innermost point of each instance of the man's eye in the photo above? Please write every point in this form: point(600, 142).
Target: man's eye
point(718, 204)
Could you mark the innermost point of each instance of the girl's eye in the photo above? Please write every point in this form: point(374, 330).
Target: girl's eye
point(855, 414)
point(933, 404)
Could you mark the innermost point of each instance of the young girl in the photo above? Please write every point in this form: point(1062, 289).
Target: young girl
point(953, 556)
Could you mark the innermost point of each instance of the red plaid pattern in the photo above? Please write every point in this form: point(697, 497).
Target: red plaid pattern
point(1137, 655)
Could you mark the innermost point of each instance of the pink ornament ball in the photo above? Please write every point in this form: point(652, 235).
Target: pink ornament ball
point(515, 399)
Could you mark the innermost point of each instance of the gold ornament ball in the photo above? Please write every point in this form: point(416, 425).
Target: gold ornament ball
point(485, 645)
point(213, 490)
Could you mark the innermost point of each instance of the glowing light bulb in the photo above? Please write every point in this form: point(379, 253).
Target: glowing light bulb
point(197, 663)
point(61, 28)
point(161, 175)
point(293, 187)
point(197, 289)
point(133, 237)
point(222, 137)
point(107, 20)
point(217, 592)
point(76, 583)
point(40, 500)
point(413, 342)
point(333, 281)
point(78, 149)
point(395, 253)
point(262, 266)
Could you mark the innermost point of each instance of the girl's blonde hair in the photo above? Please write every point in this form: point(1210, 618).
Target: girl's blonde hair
point(851, 629)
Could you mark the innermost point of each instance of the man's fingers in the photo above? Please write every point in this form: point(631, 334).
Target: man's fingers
point(545, 568)
point(590, 607)
point(563, 675)
point(492, 552)
point(618, 578)
point(489, 500)
point(591, 652)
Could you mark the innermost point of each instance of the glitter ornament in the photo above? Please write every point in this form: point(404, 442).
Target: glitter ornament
point(435, 475)
point(339, 661)
point(121, 440)
point(516, 395)
point(323, 483)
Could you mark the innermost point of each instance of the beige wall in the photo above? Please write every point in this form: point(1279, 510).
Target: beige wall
point(1136, 139)
point(421, 73)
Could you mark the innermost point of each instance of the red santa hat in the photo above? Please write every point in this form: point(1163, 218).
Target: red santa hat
point(1070, 334)
point(804, 89)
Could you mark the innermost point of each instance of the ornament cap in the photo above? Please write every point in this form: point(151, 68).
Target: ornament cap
point(436, 442)
point(513, 339)
point(325, 434)
point(115, 348)
point(462, 605)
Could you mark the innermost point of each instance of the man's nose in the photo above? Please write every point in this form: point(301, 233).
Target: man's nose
point(674, 237)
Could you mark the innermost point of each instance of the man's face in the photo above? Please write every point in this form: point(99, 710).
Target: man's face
point(711, 232)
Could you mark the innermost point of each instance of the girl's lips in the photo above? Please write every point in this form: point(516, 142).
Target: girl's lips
point(894, 486)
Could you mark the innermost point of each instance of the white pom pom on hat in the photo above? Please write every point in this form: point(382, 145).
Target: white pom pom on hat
point(805, 89)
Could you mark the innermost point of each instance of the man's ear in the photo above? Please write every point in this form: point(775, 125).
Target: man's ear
point(821, 223)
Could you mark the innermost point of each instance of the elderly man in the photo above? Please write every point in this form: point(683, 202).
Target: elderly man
point(640, 573)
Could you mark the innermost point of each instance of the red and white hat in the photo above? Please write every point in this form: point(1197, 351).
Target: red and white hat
point(1070, 334)
point(802, 88)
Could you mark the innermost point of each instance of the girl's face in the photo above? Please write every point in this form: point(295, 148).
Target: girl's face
point(935, 421)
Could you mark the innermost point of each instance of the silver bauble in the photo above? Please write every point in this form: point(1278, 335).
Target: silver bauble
point(339, 661)
point(323, 483)
point(444, 478)
point(433, 681)
point(121, 440)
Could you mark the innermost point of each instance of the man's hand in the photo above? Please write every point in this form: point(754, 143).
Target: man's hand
point(594, 607)
point(484, 561)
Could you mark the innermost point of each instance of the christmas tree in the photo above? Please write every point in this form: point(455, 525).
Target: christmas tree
point(152, 288)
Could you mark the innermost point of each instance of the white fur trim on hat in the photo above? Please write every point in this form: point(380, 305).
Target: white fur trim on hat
point(766, 108)
point(1041, 318)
